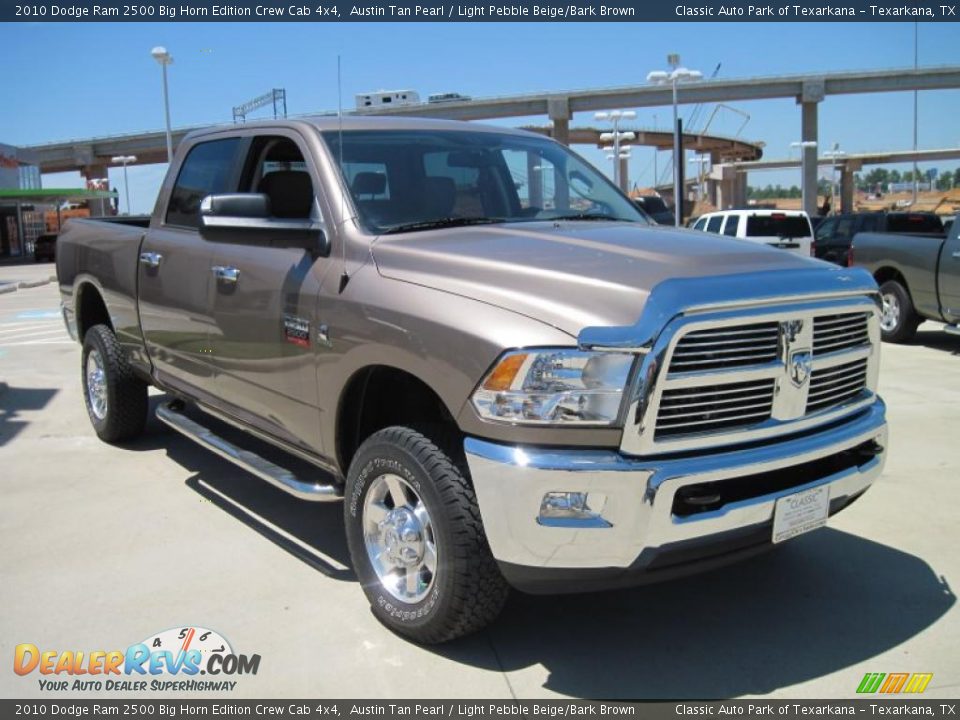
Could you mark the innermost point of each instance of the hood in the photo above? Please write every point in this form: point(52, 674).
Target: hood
point(570, 275)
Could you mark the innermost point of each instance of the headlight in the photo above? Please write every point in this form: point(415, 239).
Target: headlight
point(554, 386)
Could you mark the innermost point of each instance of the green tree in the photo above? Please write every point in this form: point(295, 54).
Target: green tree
point(945, 181)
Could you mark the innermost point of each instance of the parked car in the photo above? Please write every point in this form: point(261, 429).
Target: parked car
point(540, 391)
point(835, 233)
point(785, 229)
point(656, 208)
point(45, 248)
point(919, 278)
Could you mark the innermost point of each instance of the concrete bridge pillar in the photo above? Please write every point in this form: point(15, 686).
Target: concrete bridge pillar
point(558, 109)
point(847, 186)
point(812, 95)
point(726, 188)
point(534, 181)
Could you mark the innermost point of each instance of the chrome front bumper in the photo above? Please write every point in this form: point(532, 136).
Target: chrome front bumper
point(637, 519)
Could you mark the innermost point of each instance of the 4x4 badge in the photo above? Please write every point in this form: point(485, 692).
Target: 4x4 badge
point(800, 366)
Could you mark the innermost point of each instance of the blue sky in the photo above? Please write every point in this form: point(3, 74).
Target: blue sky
point(83, 80)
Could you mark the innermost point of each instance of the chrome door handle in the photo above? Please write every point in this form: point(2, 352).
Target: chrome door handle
point(955, 254)
point(151, 259)
point(226, 274)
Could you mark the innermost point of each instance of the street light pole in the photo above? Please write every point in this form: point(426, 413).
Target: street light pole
point(673, 78)
point(615, 116)
point(161, 55)
point(125, 160)
point(833, 155)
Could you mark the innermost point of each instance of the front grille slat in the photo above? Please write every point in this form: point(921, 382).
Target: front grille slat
point(839, 387)
point(714, 408)
point(692, 423)
point(725, 404)
point(722, 348)
point(717, 412)
point(724, 401)
point(833, 333)
point(836, 385)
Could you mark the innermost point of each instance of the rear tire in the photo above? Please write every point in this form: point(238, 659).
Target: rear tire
point(899, 320)
point(417, 541)
point(116, 399)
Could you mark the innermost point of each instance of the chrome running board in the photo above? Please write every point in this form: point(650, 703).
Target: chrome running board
point(249, 461)
point(952, 329)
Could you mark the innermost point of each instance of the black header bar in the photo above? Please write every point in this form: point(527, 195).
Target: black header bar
point(333, 11)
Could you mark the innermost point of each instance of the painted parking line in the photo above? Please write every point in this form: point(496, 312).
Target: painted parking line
point(48, 332)
point(38, 315)
point(24, 343)
point(6, 330)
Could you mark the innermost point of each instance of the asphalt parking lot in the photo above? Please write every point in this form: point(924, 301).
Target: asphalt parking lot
point(104, 546)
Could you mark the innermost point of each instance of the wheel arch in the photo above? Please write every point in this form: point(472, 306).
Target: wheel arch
point(377, 396)
point(887, 273)
point(91, 308)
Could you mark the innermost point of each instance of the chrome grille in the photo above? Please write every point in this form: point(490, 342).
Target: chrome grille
point(784, 369)
point(722, 348)
point(713, 408)
point(833, 333)
point(836, 385)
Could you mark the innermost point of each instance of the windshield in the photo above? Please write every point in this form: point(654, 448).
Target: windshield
point(787, 226)
point(404, 180)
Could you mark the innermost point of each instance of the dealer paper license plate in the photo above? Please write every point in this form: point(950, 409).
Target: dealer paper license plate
point(801, 512)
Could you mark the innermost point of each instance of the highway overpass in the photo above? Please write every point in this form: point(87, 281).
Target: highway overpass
point(91, 156)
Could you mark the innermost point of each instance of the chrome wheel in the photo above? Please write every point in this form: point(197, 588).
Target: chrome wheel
point(399, 538)
point(96, 385)
point(890, 316)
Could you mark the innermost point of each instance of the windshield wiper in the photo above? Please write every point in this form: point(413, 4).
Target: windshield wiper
point(588, 216)
point(441, 223)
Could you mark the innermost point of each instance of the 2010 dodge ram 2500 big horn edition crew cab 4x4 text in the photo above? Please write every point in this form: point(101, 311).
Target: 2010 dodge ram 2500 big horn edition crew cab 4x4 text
point(507, 375)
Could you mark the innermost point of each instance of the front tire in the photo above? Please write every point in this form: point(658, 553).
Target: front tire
point(898, 320)
point(116, 399)
point(417, 541)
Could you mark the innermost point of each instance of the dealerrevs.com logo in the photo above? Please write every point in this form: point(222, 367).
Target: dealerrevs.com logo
point(170, 660)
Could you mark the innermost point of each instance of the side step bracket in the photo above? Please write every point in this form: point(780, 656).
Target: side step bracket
point(249, 461)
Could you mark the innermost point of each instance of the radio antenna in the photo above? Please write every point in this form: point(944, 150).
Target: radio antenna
point(344, 275)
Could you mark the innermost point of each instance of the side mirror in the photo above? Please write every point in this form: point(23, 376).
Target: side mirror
point(246, 218)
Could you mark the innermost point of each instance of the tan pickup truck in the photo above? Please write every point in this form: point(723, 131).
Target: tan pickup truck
point(487, 352)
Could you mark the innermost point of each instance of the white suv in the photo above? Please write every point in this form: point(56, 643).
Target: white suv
point(786, 229)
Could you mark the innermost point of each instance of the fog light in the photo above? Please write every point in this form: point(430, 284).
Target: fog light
point(573, 510)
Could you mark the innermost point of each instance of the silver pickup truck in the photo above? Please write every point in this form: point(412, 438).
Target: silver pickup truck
point(505, 372)
point(919, 278)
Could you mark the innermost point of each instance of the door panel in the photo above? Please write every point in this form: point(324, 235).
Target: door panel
point(175, 306)
point(948, 279)
point(263, 339)
point(174, 269)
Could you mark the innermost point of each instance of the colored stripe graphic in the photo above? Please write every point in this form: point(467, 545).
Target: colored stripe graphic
point(894, 683)
point(870, 682)
point(918, 682)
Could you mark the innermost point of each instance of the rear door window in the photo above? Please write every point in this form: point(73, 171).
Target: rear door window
point(209, 169)
point(713, 225)
point(701, 224)
point(914, 223)
point(825, 231)
point(785, 226)
point(731, 226)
